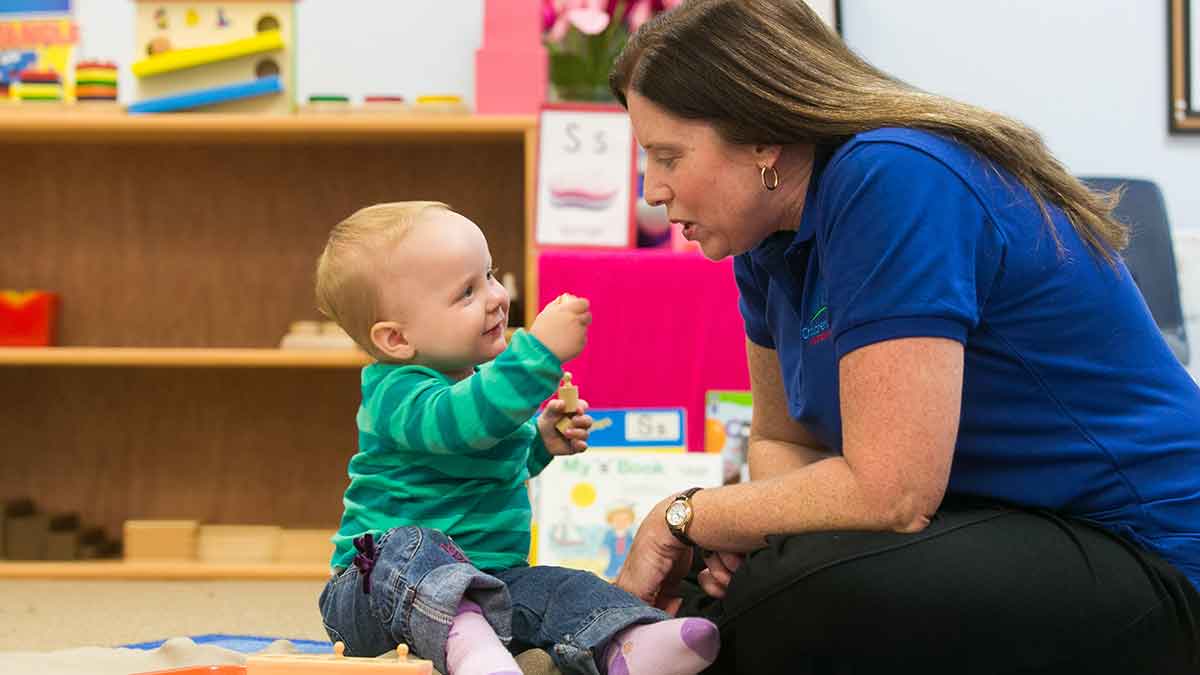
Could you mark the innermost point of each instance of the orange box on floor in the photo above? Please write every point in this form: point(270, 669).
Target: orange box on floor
point(27, 318)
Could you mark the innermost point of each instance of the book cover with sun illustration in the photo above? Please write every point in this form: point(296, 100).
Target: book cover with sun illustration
point(587, 507)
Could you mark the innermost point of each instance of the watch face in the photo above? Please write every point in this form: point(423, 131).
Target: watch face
point(676, 514)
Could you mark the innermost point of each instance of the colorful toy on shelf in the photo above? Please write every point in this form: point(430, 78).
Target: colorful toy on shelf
point(96, 82)
point(27, 318)
point(38, 39)
point(224, 57)
point(441, 103)
point(380, 103)
point(199, 98)
point(337, 664)
point(326, 103)
point(511, 66)
point(40, 86)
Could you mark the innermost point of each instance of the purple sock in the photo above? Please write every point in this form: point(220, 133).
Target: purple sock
point(674, 647)
point(473, 648)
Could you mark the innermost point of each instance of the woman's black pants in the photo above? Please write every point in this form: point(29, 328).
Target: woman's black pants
point(986, 589)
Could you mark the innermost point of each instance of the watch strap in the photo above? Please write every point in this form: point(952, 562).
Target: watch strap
point(681, 533)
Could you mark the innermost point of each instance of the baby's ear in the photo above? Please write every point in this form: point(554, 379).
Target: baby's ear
point(388, 337)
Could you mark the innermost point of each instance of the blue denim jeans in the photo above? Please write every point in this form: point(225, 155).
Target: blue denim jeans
point(420, 576)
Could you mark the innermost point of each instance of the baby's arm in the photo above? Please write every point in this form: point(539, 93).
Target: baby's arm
point(475, 413)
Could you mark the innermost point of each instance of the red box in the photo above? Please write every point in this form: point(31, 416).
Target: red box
point(27, 318)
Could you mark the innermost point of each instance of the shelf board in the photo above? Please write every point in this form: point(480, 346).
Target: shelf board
point(151, 357)
point(80, 126)
point(204, 358)
point(189, 570)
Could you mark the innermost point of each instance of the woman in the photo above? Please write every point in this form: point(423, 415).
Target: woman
point(971, 449)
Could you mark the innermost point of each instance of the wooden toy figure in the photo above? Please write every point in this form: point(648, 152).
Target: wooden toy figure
point(569, 394)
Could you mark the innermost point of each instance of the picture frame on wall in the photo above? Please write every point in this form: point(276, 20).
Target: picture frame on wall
point(830, 11)
point(1183, 57)
point(586, 177)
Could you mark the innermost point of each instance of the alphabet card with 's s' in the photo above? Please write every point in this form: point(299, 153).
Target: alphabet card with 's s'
point(586, 178)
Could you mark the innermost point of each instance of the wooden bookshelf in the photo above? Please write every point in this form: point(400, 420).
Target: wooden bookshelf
point(75, 126)
point(166, 570)
point(166, 357)
point(182, 247)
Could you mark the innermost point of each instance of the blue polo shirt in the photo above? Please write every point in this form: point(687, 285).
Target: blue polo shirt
point(1072, 400)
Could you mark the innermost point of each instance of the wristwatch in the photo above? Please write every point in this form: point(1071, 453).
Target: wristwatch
point(679, 515)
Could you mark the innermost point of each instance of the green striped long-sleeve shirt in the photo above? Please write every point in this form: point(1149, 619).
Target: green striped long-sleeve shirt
point(451, 456)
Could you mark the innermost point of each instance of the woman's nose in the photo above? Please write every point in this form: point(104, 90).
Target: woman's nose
point(654, 191)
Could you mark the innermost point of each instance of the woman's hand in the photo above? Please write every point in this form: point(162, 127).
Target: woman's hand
point(719, 569)
point(656, 562)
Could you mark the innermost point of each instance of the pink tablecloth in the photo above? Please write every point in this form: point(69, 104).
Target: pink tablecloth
point(665, 329)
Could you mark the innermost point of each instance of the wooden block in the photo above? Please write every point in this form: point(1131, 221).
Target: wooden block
point(160, 539)
point(24, 531)
point(238, 543)
point(62, 540)
point(305, 546)
point(337, 664)
point(568, 393)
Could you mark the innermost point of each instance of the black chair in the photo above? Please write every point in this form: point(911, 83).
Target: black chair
point(1150, 256)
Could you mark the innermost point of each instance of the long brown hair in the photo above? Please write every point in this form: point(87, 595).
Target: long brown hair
point(772, 72)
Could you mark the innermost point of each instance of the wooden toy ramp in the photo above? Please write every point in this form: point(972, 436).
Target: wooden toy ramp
point(198, 98)
point(180, 59)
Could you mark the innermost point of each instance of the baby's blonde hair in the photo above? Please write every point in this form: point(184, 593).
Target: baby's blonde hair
point(347, 271)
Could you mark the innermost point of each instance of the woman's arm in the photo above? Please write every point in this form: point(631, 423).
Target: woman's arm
point(900, 402)
point(778, 443)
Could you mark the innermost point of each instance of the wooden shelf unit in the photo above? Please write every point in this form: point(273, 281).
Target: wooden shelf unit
point(76, 126)
point(166, 357)
point(166, 570)
point(182, 247)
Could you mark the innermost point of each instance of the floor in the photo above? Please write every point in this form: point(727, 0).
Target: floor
point(48, 615)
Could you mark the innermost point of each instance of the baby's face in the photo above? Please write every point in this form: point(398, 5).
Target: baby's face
point(440, 286)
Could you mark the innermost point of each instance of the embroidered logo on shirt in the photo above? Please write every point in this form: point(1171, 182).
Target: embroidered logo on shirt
point(817, 329)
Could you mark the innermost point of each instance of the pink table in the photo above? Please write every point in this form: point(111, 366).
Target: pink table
point(665, 329)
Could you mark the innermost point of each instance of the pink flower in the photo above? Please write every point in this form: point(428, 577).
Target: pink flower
point(640, 11)
point(586, 15)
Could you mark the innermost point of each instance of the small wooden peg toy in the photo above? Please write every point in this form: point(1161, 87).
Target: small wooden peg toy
point(569, 394)
point(337, 664)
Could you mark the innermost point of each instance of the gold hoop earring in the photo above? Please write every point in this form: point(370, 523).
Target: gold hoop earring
point(774, 182)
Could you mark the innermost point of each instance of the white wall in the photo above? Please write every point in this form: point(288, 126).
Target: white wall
point(353, 47)
point(1090, 75)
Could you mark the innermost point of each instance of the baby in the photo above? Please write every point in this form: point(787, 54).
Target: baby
point(432, 548)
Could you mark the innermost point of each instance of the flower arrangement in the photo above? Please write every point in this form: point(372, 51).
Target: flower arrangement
point(584, 37)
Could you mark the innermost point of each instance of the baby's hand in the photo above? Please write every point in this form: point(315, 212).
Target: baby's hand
point(570, 442)
point(562, 326)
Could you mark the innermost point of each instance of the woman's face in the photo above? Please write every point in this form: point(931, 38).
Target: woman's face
point(711, 188)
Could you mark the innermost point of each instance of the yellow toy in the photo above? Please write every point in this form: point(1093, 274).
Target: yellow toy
point(337, 664)
point(212, 46)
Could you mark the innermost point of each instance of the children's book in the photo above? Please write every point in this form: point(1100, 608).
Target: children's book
point(587, 507)
point(727, 430)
